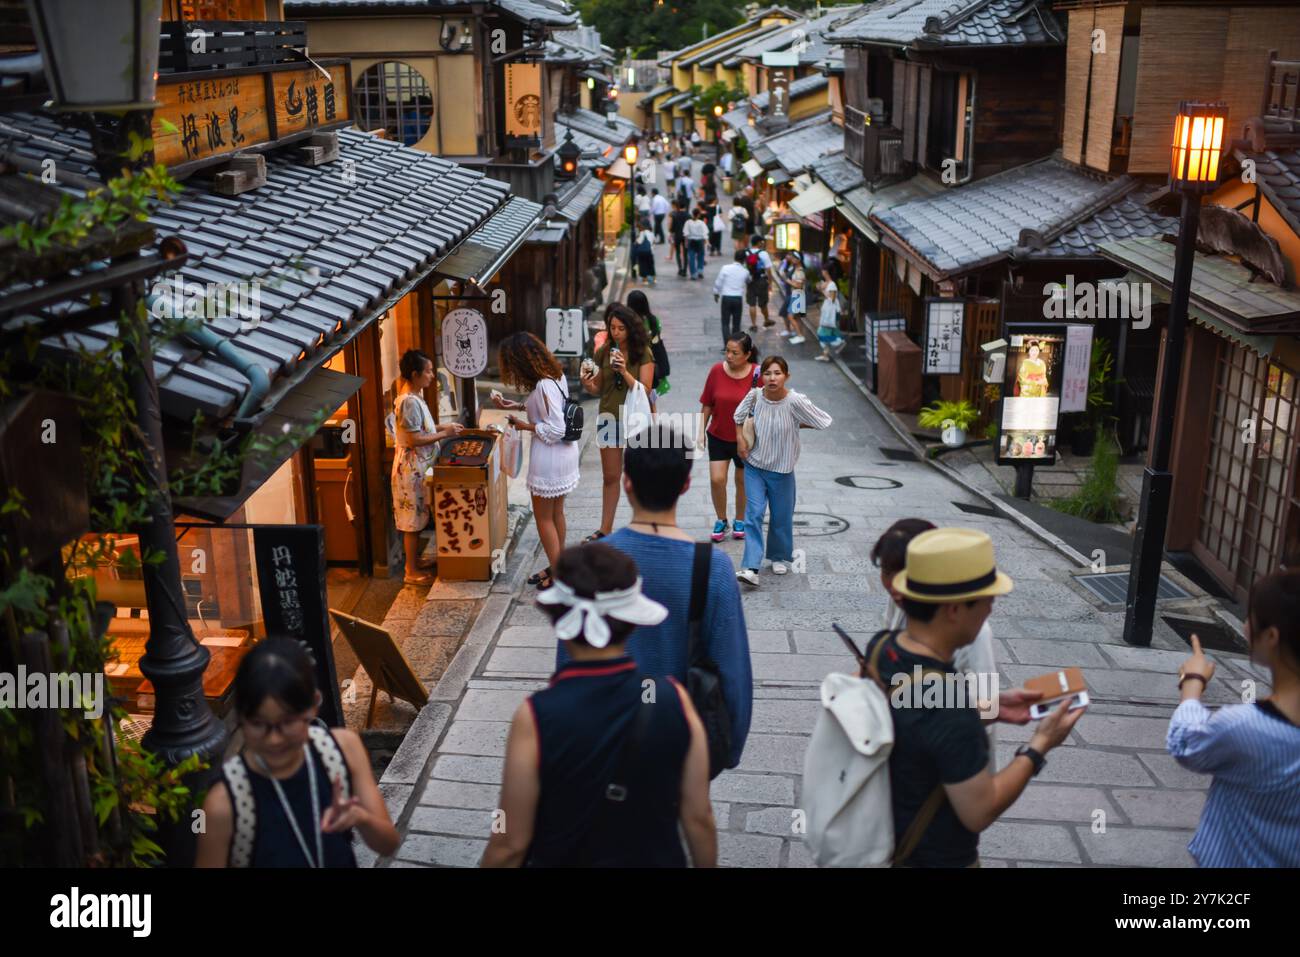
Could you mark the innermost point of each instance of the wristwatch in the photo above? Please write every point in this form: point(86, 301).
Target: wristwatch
point(1033, 756)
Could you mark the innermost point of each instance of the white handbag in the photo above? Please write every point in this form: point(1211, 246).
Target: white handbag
point(637, 411)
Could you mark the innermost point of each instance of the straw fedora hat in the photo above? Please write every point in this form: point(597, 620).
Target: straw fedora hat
point(951, 564)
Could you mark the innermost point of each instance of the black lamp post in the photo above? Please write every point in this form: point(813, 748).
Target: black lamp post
point(102, 61)
point(1194, 171)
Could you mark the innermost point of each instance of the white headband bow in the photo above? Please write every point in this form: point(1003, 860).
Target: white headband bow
point(587, 615)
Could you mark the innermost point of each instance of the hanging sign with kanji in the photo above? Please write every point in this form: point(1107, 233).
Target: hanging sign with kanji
point(464, 343)
point(565, 331)
point(943, 318)
point(210, 117)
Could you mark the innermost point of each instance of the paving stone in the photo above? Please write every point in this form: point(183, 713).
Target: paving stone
point(1021, 841)
point(774, 752)
point(528, 636)
point(809, 668)
point(1148, 659)
point(441, 820)
point(1173, 775)
point(408, 603)
point(465, 767)
point(785, 715)
point(799, 855)
point(748, 850)
point(439, 793)
point(488, 705)
point(827, 642)
point(1122, 731)
point(1034, 627)
point(1052, 802)
point(752, 788)
point(777, 821)
point(1137, 847)
point(721, 815)
point(452, 617)
point(476, 737)
point(1052, 654)
point(1083, 766)
point(530, 661)
point(1160, 807)
point(442, 851)
point(1138, 686)
point(443, 590)
point(768, 642)
point(987, 862)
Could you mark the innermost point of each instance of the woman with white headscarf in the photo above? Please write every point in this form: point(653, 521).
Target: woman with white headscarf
point(604, 764)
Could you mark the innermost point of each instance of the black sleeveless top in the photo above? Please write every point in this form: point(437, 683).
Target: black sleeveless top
point(275, 844)
point(583, 721)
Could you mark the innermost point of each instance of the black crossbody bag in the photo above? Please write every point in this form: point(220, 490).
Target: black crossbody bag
point(703, 678)
point(613, 801)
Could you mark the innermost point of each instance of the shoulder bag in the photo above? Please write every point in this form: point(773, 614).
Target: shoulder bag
point(703, 677)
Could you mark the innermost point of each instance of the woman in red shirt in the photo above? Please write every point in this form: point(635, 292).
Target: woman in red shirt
point(728, 383)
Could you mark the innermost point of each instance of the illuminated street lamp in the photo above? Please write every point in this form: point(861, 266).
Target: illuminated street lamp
point(569, 153)
point(630, 154)
point(1193, 171)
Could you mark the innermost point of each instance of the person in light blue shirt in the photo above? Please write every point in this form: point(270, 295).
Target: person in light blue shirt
point(1252, 813)
point(656, 472)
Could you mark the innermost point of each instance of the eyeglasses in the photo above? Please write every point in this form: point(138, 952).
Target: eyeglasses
point(287, 727)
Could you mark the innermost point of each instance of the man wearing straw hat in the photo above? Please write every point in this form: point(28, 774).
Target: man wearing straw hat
point(939, 772)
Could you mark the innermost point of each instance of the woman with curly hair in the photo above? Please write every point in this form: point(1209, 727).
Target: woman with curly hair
point(623, 361)
point(528, 365)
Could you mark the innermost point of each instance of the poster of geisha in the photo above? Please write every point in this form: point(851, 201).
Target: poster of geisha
point(1031, 394)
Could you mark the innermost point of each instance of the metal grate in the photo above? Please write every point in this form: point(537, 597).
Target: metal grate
point(899, 455)
point(1212, 635)
point(1112, 588)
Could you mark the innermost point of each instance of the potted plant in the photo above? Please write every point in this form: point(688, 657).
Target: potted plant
point(953, 418)
point(1101, 374)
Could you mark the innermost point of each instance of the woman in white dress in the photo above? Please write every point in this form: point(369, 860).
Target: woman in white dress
point(528, 365)
point(414, 433)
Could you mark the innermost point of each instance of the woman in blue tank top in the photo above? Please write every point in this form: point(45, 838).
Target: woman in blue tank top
point(296, 791)
point(603, 765)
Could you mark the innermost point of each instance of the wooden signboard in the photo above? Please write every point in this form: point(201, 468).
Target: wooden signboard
point(524, 101)
point(389, 669)
point(204, 118)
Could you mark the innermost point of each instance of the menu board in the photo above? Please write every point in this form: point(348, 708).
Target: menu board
point(943, 319)
point(1031, 393)
point(1074, 380)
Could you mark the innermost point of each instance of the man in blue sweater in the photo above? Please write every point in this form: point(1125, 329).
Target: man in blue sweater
point(654, 478)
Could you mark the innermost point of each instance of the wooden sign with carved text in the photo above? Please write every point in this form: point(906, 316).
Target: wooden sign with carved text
point(304, 99)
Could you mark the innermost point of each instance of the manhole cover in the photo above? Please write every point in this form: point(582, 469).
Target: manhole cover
point(818, 523)
point(899, 455)
point(978, 509)
point(1213, 635)
point(868, 483)
point(1112, 588)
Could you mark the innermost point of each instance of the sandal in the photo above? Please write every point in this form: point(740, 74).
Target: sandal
point(544, 580)
point(418, 580)
point(595, 536)
point(538, 576)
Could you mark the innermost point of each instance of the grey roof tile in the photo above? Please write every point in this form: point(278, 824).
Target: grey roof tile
point(796, 148)
point(838, 172)
point(953, 23)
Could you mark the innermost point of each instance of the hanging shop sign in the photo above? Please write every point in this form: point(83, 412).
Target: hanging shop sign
point(778, 103)
point(523, 104)
point(204, 119)
point(943, 326)
point(787, 236)
point(564, 331)
point(1074, 378)
point(290, 562)
point(464, 343)
point(1031, 393)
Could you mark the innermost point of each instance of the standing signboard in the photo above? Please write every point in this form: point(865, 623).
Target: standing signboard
point(943, 327)
point(290, 562)
point(565, 330)
point(1031, 393)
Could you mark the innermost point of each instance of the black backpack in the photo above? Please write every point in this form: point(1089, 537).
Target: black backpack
point(659, 351)
point(703, 679)
point(573, 420)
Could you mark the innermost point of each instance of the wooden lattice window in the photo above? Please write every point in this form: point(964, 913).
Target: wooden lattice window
point(394, 97)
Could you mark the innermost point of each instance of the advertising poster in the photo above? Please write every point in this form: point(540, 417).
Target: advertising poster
point(464, 342)
point(1031, 394)
point(1074, 381)
point(943, 319)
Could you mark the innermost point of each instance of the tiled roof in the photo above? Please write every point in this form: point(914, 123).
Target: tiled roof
point(580, 198)
point(969, 226)
point(1125, 219)
point(595, 152)
point(738, 119)
point(724, 51)
point(838, 172)
point(330, 246)
point(648, 99)
point(989, 23)
point(596, 126)
point(809, 32)
point(796, 148)
point(486, 249)
point(740, 28)
point(549, 12)
point(1278, 175)
point(679, 99)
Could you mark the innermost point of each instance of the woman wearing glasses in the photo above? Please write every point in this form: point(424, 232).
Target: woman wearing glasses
point(296, 791)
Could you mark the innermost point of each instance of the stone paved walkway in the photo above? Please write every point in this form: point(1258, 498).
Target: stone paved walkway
point(1110, 796)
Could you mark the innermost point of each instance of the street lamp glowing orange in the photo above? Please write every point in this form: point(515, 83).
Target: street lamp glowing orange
point(1197, 146)
point(629, 154)
point(717, 109)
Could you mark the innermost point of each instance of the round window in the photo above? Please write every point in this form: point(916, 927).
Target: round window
point(393, 96)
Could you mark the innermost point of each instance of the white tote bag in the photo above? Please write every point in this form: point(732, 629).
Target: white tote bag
point(637, 411)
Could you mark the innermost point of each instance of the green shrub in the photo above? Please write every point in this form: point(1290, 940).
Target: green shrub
point(1098, 499)
point(962, 414)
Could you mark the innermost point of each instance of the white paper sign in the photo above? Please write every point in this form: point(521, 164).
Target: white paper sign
point(943, 336)
point(564, 331)
point(1074, 374)
point(464, 343)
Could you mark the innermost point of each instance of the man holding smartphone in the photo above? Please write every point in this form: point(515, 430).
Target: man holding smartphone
point(939, 773)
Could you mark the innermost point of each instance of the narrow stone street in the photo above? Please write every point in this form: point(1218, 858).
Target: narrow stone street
point(1110, 796)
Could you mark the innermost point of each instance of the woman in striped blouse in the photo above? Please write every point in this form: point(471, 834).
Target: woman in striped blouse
point(1252, 814)
point(779, 414)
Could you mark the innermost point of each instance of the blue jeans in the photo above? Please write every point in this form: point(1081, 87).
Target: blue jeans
point(764, 489)
point(695, 257)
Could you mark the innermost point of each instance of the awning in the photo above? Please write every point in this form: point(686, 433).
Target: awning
point(619, 169)
point(580, 200)
point(486, 249)
point(778, 177)
point(323, 391)
point(1263, 345)
point(812, 200)
point(549, 233)
point(728, 135)
point(594, 74)
point(753, 168)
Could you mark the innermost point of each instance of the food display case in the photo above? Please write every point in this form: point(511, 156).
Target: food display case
point(468, 494)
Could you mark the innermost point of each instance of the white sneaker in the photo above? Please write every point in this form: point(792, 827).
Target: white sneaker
point(748, 575)
point(784, 333)
point(822, 358)
point(780, 568)
point(797, 340)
